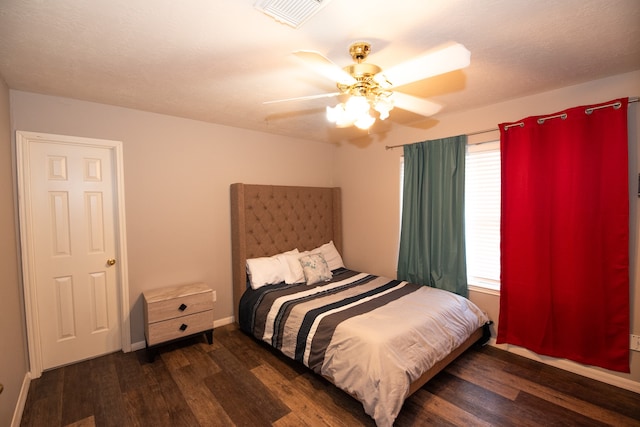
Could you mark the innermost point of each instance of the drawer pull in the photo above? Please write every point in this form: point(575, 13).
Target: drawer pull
point(182, 307)
point(183, 327)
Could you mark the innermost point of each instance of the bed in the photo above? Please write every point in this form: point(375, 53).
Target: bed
point(376, 338)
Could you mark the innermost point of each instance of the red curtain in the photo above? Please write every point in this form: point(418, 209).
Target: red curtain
point(565, 235)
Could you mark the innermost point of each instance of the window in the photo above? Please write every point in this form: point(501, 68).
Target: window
point(482, 214)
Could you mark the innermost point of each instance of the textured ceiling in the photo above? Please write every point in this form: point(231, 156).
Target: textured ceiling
point(218, 61)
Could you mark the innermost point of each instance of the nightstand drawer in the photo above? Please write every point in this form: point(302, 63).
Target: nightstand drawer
point(179, 327)
point(176, 301)
point(183, 306)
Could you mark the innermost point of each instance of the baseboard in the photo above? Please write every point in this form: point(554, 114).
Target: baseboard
point(223, 322)
point(22, 400)
point(568, 365)
point(140, 345)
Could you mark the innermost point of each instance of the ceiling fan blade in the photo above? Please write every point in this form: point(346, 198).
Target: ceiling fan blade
point(438, 61)
point(304, 98)
point(415, 104)
point(325, 67)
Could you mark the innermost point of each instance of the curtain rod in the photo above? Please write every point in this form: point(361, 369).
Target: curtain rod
point(541, 120)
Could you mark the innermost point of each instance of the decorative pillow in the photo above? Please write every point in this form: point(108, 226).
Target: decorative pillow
point(331, 255)
point(315, 268)
point(268, 270)
point(294, 273)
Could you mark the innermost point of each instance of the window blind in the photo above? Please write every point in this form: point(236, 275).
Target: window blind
point(482, 214)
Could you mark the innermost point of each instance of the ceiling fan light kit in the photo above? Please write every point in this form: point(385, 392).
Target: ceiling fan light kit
point(369, 88)
point(366, 94)
point(353, 112)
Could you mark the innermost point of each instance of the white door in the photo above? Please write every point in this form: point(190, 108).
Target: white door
point(70, 218)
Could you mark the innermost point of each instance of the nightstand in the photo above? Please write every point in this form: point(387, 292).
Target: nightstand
point(177, 312)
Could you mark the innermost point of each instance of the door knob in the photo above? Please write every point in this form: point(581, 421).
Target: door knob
point(111, 262)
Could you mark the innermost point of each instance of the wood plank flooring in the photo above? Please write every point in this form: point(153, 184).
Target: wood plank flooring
point(237, 381)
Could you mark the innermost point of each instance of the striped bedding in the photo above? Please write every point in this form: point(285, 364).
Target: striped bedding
point(370, 335)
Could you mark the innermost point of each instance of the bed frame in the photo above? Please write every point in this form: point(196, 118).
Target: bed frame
point(267, 220)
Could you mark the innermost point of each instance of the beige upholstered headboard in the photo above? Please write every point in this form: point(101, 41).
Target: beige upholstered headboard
point(270, 219)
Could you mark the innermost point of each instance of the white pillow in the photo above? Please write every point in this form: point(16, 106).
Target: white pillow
point(268, 270)
point(294, 273)
point(315, 268)
point(331, 255)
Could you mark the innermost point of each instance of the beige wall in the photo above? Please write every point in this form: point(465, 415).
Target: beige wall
point(177, 174)
point(13, 346)
point(369, 176)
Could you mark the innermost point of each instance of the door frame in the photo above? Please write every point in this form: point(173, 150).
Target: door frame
point(23, 142)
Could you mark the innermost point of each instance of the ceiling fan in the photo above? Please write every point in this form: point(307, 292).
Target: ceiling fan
point(369, 88)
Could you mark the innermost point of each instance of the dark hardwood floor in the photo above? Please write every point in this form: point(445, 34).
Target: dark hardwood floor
point(238, 381)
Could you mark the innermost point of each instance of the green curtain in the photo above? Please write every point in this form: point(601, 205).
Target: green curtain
point(432, 245)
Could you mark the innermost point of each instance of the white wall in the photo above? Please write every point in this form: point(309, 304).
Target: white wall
point(177, 177)
point(369, 176)
point(13, 342)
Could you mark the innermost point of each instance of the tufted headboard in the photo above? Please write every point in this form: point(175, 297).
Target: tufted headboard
point(270, 219)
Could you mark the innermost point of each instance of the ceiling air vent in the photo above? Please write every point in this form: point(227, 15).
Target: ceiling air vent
point(291, 12)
